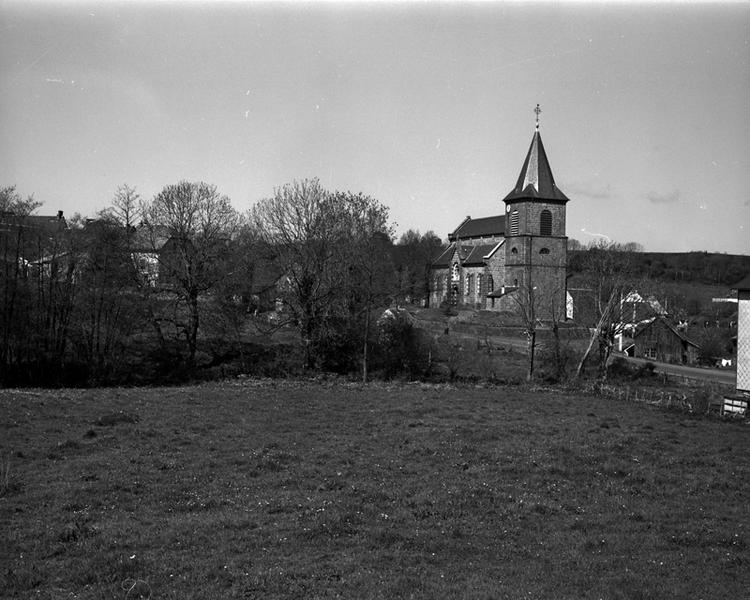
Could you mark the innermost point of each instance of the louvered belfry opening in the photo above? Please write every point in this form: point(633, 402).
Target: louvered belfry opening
point(514, 223)
point(545, 223)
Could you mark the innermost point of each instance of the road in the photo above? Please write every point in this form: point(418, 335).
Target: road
point(520, 344)
point(715, 375)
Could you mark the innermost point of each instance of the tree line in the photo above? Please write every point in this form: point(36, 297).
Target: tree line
point(168, 282)
point(158, 287)
point(709, 268)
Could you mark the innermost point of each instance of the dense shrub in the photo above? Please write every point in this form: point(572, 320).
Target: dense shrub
point(401, 348)
point(554, 365)
point(339, 349)
point(714, 344)
point(621, 370)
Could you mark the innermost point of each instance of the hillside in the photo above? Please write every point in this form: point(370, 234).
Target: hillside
point(690, 267)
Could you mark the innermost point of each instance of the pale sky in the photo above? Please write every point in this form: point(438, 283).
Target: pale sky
point(428, 107)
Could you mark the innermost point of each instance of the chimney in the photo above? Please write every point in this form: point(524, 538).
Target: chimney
point(59, 215)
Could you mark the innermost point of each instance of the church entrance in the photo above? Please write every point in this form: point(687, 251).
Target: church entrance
point(454, 295)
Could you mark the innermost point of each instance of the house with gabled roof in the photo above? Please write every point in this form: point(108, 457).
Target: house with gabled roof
point(39, 242)
point(659, 339)
point(490, 258)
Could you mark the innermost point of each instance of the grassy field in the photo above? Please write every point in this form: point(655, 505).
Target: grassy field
point(265, 489)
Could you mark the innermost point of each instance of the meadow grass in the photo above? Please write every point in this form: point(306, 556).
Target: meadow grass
point(293, 489)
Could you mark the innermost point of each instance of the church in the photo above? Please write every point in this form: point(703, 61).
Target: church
point(500, 262)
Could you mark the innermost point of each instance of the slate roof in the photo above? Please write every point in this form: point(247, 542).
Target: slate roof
point(48, 224)
point(660, 319)
point(536, 181)
point(471, 255)
point(483, 227)
point(266, 273)
point(474, 255)
point(41, 233)
point(150, 240)
point(636, 309)
point(444, 259)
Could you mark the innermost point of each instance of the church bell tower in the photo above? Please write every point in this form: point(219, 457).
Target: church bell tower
point(536, 247)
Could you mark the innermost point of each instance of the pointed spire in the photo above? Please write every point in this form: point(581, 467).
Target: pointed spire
point(536, 181)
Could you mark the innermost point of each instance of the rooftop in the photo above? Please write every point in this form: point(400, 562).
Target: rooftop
point(536, 181)
point(478, 228)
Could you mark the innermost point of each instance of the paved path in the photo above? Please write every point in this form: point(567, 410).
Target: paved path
point(715, 375)
point(520, 344)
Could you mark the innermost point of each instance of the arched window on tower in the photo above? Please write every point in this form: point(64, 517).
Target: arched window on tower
point(545, 223)
point(544, 251)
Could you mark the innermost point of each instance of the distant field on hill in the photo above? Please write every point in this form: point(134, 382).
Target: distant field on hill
point(282, 489)
point(701, 267)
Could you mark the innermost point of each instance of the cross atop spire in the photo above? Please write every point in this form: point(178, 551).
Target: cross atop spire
point(537, 110)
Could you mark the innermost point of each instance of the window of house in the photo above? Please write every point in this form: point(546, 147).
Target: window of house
point(479, 284)
point(514, 223)
point(544, 251)
point(490, 284)
point(650, 353)
point(469, 284)
point(515, 282)
point(545, 223)
point(514, 250)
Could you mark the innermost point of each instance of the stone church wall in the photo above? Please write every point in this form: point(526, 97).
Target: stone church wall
point(470, 296)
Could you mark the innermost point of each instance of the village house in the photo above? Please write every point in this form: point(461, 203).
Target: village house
point(737, 403)
point(34, 242)
point(658, 339)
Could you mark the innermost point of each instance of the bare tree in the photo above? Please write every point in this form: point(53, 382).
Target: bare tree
point(527, 301)
point(16, 288)
point(414, 254)
point(13, 204)
point(330, 248)
point(300, 228)
point(558, 314)
point(367, 252)
point(106, 307)
point(199, 224)
point(608, 271)
point(126, 207)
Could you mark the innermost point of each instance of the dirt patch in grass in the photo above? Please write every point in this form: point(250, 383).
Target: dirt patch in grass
point(274, 489)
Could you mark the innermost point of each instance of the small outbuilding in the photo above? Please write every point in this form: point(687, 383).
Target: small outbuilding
point(660, 340)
